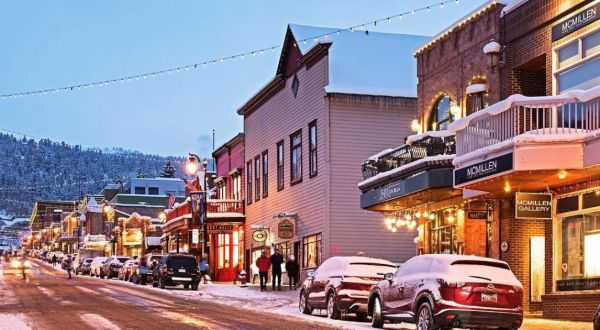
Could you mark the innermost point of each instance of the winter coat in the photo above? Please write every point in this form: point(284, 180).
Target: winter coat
point(263, 263)
point(276, 261)
point(203, 266)
point(292, 267)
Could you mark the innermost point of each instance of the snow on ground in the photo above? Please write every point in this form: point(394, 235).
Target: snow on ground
point(13, 322)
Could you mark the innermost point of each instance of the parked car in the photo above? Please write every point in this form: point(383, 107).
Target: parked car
point(125, 271)
point(342, 284)
point(597, 319)
point(95, 266)
point(111, 267)
point(49, 256)
point(145, 267)
point(449, 291)
point(174, 269)
point(85, 266)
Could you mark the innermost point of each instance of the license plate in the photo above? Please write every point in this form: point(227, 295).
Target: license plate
point(182, 270)
point(489, 297)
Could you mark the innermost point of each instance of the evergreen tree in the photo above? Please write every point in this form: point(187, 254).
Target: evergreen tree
point(168, 170)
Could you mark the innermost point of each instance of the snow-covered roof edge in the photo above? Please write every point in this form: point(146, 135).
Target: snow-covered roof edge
point(417, 137)
point(518, 99)
point(488, 4)
point(512, 6)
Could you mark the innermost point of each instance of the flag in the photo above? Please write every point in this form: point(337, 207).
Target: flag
point(171, 201)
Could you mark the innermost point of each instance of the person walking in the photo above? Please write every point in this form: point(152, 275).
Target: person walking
point(292, 268)
point(203, 267)
point(68, 264)
point(54, 260)
point(263, 263)
point(276, 261)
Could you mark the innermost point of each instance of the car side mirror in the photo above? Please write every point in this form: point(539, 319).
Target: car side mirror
point(311, 273)
point(389, 277)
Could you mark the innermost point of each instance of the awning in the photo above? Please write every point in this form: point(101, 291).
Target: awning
point(477, 88)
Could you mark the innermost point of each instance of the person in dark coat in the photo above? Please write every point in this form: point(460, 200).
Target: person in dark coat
point(54, 260)
point(276, 261)
point(68, 264)
point(292, 268)
point(263, 263)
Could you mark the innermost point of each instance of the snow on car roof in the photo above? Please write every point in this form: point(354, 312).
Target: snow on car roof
point(365, 62)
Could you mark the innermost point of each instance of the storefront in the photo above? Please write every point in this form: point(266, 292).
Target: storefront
point(132, 234)
point(226, 246)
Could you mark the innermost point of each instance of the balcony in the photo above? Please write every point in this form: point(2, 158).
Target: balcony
point(218, 210)
point(225, 206)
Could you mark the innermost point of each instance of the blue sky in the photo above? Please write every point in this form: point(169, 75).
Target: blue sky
point(47, 44)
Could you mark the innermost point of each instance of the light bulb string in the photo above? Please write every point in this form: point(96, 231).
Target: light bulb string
point(177, 69)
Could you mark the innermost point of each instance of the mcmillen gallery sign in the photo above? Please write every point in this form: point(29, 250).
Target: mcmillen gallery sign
point(576, 22)
point(483, 169)
point(533, 206)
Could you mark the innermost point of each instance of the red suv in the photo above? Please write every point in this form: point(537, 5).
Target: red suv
point(449, 291)
point(342, 284)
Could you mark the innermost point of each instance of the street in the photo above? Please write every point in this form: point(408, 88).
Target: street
point(47, 300)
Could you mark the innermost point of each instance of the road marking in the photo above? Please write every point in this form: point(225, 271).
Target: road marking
point(98, 322)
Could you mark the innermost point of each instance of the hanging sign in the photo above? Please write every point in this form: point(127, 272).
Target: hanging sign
point(260, 235)
point(483, 169)
point(533, 206)
point(198, 199)
point(477, 215)
point(195, 236)
point(285, 229)
point(576, 22)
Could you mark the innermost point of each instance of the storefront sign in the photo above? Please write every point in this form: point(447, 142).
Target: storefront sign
point(578, 284)
point(576, 22)
point(477, 215)
point(483, 169)
point(260, 235)
point(195, 236)
point(96, 238)
point(285, 229)
point(198, 199)
point(219, 227)
point(533, 206)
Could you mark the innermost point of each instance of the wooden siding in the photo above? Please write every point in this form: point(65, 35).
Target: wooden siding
point(359, 129)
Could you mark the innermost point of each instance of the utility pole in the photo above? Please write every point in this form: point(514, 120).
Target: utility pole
point(213, 149)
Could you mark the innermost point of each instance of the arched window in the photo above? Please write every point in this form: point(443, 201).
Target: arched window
point(441, 116)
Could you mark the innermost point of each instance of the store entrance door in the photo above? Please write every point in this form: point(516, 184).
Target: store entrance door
point(227, 254)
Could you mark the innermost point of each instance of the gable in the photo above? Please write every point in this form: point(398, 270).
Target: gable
point(289, 60)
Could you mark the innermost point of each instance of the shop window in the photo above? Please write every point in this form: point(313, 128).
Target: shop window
point(152, 190)
point(140, 190)
point(265, 173)
point(311, 248)
point(257, 169)
point(249, 183)
point(537, 266)
point(312, 148)
point(285, 249)
point(280, 163)
point(441, 116)
point(296, 157)
point(567, 204)
point(578, 64)
point(442, 234)
point(591, 199)
point(580, 243)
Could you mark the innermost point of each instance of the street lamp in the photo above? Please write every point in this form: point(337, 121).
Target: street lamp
point(192, 166)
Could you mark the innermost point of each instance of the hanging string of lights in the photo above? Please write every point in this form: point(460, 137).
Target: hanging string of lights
point(203, 64)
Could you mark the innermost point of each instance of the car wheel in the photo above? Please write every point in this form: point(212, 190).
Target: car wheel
point(377, 316)
point(303, 304)
point(361, 317)
point(425, 318)
point(154, 284)
point(186, 286)
point(333, 312)
point(161, 283)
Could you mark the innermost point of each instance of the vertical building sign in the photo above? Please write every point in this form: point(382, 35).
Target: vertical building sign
point(198, 199)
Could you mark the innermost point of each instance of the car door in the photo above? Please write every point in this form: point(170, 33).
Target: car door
point(393, 291)
point(316, 294)
point(414, 281)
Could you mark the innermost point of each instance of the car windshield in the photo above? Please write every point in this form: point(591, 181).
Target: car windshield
point(122, 260)
point(177, 262)
point(87, 261)
point(369, 269)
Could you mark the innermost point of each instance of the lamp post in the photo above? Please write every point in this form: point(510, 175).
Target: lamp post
point(193, 169)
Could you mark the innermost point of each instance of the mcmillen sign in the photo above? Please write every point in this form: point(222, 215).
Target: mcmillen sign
point(575, 22)
point(483, 169)
point(533, 206)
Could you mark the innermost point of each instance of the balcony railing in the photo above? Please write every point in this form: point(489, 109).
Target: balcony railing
point(225, 206)
point(408, 153)
point(574, 112)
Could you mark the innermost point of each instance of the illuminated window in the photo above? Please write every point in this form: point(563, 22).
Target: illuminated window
point(441, 116)
point(580, 243)
point(311, 251)
point(537, 267)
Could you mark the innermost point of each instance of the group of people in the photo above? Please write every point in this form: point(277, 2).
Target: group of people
point(274, 262)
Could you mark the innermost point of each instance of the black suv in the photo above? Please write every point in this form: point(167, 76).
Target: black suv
point(174, 269)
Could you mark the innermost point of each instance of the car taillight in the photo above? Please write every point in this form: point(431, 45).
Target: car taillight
point(447, 284)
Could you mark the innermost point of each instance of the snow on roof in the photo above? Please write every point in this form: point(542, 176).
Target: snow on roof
point(459, 23)
point(417, 137)
point(376, 63)
point(379, 154)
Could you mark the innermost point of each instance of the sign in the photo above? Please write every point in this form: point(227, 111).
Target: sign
point(198, 207)
point(504, 246)
point(260, 235)
point(335, 249)
point(219, 227)
point(285, 229)
point(575, 22)
point(483, 169)
point(578, 284)
point(195, 236)
point(533, 206)
point(477, 215)
point(96, 238)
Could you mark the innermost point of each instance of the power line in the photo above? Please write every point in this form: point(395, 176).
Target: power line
point(215, 61)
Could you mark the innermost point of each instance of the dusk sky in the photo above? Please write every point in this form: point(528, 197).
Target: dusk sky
point(50, 44)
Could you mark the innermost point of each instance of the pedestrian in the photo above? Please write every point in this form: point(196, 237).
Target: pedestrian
point(263, 263)
point(68, 264)
point(276, 261)
point(292, 268)
point(54, 260)
point(203, 267)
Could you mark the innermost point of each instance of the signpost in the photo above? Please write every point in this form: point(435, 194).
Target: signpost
point(260, 235)
point(533, 206)
point(285, 229)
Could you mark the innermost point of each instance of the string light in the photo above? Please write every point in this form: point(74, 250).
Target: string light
point(195, 66)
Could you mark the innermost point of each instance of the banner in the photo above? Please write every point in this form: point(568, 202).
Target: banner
point(198, 207)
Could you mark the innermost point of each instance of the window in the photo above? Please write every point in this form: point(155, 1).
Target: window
point(222, 190)
point(237, 186)
point(580, 234)
point(140, 190)
point(311, 248)
point(257, 177)
point(578, 64)
point(441, 116)
point(296, 157)
point(280, 168)
point(265, 173)
point(249, 183)
point(152, 190)
point(312, 148)
point(441, 238)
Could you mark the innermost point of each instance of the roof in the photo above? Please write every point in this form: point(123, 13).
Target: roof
point(459, 23)
point(365, 62)
point(238, 138)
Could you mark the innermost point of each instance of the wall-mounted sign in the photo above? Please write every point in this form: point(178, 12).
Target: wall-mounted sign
point(260, 235)
point(195, 236)
point(483, 169)
point(198, 199)
point(95, 238)
point(578, 284)
point(335, 249)
point(219, 227)
point(576, 22)
point(285, 229)
point(477, 215)
point(533, 206)
point(504, 246)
